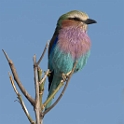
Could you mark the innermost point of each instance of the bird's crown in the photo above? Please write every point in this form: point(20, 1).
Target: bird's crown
point(75, 15)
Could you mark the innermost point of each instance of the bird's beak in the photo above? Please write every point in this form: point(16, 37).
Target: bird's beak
point(90, 21)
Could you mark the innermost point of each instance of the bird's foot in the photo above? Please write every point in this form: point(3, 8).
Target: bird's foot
point(65, 76)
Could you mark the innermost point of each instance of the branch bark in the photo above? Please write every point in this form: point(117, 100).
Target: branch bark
point(21, 101)
point(39, 88)
point(37, 104)
point(16, 78)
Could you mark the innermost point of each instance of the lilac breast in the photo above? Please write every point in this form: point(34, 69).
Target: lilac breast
point(74, 40)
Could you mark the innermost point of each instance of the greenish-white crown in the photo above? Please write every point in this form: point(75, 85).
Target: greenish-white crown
point(73, 15)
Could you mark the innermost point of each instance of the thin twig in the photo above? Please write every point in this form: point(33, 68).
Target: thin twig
point(47, 44)
point(20, 99)
point(37, 104)
point(39, 71)
point(45, 76)
point(53, 94)
point(41, 89)
point(16, 78)
point(70, 75)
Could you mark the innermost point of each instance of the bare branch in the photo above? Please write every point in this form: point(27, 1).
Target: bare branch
point(47, 44)
point(41, 88)
point(41, 84)
point(53, 94)
point(37, 104)
point(20, 99)
point(45, 76)
point(16, 78)
point(69, 77)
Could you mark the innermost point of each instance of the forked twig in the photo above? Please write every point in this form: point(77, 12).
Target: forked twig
point(16, 78)
point(20, 100)
point(39, 88)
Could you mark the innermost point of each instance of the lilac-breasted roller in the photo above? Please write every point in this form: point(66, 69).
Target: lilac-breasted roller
point(69, 43)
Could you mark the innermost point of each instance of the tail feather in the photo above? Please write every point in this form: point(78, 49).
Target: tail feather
point(55, 82)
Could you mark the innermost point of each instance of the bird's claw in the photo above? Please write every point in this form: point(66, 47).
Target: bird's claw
point(65, 76)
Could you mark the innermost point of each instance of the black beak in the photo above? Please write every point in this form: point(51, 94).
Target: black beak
point(90, 21)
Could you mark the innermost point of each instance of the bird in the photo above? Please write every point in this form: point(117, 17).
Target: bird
point(70, 43)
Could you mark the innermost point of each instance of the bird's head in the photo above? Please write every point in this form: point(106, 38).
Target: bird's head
point(77, 17)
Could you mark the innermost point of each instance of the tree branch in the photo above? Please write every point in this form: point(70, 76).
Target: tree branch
point(20, 100)
point(45, 76)
point(53, 94)
point(47, 44)
point(37, 104)
point(41, 86)
point(16, 78)
point(69, 75)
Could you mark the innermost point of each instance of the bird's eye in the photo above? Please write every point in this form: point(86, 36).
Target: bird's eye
point(75, 18)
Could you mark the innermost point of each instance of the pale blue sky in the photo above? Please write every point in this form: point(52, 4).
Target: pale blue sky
point(95, 95)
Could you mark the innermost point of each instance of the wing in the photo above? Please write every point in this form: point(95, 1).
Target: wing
point(51, 47)
point(52, 41)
